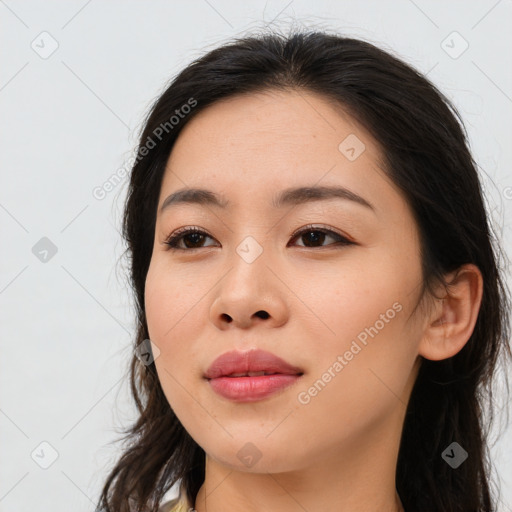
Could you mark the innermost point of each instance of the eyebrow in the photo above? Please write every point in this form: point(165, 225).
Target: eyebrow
point(287, 197)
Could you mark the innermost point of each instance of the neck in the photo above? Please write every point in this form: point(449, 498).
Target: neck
point(352, 478)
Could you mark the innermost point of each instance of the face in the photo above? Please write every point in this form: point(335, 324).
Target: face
point(336, 297)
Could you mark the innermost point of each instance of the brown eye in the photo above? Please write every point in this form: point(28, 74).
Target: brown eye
point(315, 237)
point(191, 237)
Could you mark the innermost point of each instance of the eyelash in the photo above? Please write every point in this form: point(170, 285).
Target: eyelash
point(173, 240)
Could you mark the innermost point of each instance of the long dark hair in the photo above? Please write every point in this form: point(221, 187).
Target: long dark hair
point(426, 155)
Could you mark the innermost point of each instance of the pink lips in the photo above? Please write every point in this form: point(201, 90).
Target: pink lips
point(246, 388)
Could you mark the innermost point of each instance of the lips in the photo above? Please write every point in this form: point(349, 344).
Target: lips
point(250, 363)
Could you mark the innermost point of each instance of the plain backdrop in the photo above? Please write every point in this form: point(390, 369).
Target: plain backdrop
point(76, 79)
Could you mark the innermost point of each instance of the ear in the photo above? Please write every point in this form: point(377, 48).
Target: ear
point(454, 316)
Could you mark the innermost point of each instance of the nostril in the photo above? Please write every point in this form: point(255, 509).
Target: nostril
point(262, 314)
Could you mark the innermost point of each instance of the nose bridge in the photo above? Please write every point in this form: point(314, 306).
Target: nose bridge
point(248, 263)
point(251, 236)
point(251, 245)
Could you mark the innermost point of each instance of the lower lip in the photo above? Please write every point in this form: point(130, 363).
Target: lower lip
point(251, 389)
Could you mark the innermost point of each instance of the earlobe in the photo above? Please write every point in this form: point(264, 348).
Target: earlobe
point(453, 318)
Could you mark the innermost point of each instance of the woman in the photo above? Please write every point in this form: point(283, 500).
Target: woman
point(313, 264)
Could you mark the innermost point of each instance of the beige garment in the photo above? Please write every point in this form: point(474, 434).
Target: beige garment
point(176, 505)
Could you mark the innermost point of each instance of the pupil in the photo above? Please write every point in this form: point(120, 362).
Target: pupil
point(315, 238)
point(194, 235)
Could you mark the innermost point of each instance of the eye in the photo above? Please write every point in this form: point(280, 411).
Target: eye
point(314, 235)
point(194, 237)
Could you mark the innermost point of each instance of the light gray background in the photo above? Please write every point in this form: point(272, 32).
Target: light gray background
point(70, 121)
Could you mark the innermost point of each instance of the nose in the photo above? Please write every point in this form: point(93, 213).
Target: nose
point(248, 295)
point(244, 322)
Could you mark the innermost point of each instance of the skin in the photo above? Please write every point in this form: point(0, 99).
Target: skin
point(339, 451)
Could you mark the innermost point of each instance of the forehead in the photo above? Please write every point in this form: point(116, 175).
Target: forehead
point(252, 145)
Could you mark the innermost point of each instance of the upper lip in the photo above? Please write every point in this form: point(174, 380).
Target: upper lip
point(250, 361)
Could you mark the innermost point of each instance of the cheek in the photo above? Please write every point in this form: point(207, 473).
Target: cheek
point(167, 302)
point(359, 376)
point(346, 302)
point(173, 304)
point(166, 307)
point(171, 330)
point(367, 350)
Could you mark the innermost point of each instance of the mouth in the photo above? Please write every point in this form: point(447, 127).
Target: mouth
point(257, 374)
point(250, 376)
point(252, 363)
